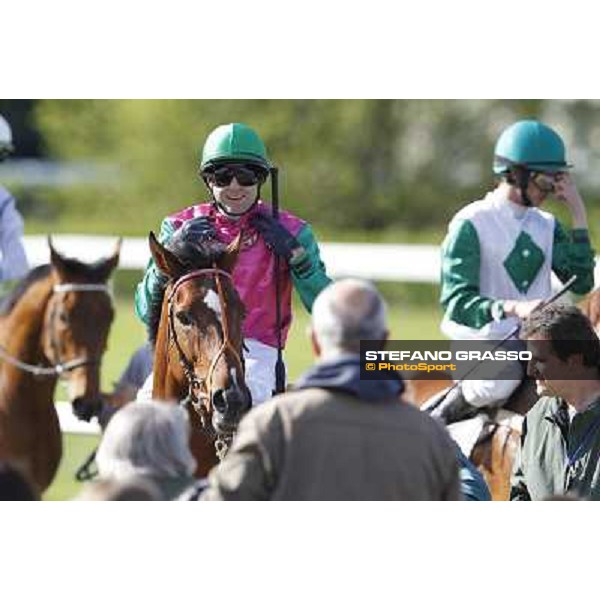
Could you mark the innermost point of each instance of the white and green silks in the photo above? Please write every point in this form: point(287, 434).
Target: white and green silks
point(497, 250)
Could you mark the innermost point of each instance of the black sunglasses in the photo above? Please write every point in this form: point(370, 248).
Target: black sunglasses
point(245, 175)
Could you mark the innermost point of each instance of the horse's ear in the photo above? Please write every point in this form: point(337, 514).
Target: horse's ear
point(165, 260)
point(56, 258)
point(111, 262)
point(230, 256)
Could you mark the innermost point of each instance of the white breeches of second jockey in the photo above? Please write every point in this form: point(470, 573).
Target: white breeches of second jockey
point(260, 362)
point(489, 392)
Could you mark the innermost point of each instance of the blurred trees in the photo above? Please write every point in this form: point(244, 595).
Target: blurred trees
point(345, 164)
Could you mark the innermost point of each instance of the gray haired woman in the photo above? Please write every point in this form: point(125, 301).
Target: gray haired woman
point(149, 439)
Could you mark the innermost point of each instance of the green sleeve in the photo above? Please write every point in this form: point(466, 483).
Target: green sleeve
point(573, 255)
point(518, 483)
point(308, 271)
point(460, 278)
point(147, 288)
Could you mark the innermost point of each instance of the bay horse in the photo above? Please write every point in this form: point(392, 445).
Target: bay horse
point(53, 324)
point(495, 450)
point(196, 329)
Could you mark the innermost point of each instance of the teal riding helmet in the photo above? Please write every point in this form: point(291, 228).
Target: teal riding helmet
point(234, 142)
point(531, 145)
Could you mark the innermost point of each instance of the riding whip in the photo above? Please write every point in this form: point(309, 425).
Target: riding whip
point(565, 288)
point(279, 366)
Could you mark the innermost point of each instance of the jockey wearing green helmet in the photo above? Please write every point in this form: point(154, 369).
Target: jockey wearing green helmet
point(500, 252)
point(234, 142)
point(234, 148)
point(525, 151)
point(234, 164)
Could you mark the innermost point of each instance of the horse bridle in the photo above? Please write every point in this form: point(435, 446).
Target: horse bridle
point(199, 389)
point(57, 368)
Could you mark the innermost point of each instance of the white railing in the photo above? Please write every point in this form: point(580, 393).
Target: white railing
point(380, 262)
point(417, 263)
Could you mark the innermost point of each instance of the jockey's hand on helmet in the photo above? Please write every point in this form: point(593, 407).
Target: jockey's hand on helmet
point(522, 310)
point(566, 190)
point(276, 236)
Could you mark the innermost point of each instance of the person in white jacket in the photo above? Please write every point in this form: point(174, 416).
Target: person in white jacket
point(13, 260)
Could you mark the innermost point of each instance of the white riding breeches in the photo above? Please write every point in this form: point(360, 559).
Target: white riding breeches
point(260, 362)
point(489, 392)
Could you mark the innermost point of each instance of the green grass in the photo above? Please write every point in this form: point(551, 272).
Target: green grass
point(413, 315)
point(76, 448)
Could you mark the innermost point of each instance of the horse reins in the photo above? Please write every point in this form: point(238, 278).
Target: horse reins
point(195, 383)
point(58, 368)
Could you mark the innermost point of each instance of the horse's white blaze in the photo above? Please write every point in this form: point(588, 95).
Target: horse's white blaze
point(211, 299)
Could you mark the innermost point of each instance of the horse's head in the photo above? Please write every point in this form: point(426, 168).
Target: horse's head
point(77, 320)
point(199, 344)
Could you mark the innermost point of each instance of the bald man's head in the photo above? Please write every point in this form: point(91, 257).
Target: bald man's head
point(346, 312)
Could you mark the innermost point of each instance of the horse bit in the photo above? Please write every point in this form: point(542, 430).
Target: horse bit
point(199, 388)
point(58, 368)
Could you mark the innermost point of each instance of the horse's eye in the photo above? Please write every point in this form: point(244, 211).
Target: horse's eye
point(63, 317)
point(184, 318)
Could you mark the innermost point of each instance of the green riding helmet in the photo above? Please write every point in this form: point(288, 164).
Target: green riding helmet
point(532, 145)
point(234, 142)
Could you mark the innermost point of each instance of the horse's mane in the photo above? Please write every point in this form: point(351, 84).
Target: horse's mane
point(193, 256)
point(93, 273)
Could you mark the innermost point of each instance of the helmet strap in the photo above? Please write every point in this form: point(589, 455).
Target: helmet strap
point(520, 177)
point(223, 209)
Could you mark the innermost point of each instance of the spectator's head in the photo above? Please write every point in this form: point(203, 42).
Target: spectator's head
point(133, 488)
point(14, 485)
point(344, 313)
point(146, 439)
point(564, 347)
point(568, 330)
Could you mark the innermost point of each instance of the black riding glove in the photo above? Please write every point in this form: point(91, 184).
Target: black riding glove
point(275, 235)
point(196, 229)
point(193, 234)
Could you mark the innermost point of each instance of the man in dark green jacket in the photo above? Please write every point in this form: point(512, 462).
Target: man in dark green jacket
point(560, 442)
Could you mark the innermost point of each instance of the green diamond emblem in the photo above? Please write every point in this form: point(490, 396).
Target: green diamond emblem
point(524, 262)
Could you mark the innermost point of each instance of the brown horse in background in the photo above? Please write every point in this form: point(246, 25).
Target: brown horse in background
point(495, 450)
point(197, 333)
point(53, 324)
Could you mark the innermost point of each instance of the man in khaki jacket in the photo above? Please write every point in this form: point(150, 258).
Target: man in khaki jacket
point(337, 437)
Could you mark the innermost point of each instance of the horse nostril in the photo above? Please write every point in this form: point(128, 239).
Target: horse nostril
point(84, 409)
point(219, 401)
point(232, 400)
